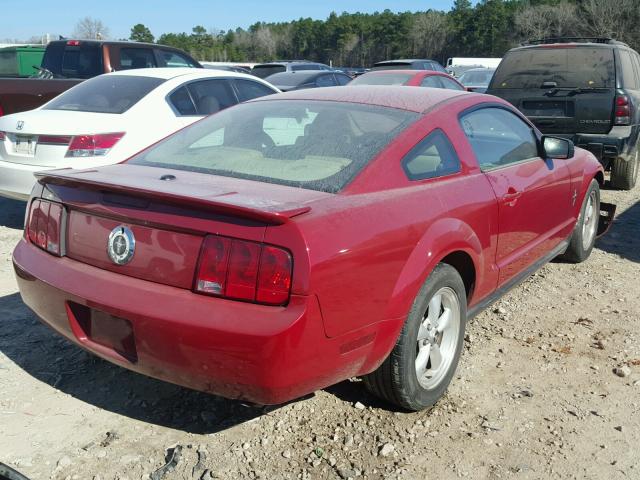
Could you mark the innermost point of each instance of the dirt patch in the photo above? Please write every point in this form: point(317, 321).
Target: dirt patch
point(535, 395)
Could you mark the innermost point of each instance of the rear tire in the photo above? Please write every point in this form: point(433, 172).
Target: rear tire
point(586, 229)
point(624, 174)
point(420, 367)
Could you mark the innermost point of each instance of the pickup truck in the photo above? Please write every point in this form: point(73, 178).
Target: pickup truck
point(69, 62)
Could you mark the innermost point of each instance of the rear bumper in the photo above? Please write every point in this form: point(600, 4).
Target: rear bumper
point(17, 180)
point(262, 354)
point(620, 142)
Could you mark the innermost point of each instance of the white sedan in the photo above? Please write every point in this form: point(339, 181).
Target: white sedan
point(106, 119)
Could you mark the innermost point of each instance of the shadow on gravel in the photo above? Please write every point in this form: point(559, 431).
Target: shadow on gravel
point(624, 236)
point(12, 213)
point(46, 356)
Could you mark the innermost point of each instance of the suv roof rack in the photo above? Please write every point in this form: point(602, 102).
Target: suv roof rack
point(603, 40)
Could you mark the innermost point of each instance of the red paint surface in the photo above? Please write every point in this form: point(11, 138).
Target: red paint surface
point(359, 257)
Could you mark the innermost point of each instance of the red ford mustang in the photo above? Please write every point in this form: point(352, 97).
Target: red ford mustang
point(298, 240)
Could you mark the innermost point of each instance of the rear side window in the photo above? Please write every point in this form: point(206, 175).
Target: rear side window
point(174, 59)
point(105, 94)
point(263, 71)
point(211, 96)
point(131, 58)
point(432, 157)
point(312, 144)
point(248, 89)
point(73, 61)
point(576, 67)
point(499, 137)
point(181, 101)
point(342, 79)
point(628, 73)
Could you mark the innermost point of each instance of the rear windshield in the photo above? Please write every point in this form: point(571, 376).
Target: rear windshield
point(577, 67)
point(289, 79)
point(105, 94)
point(263, 71)
point(73, 61)
point(393, 66)
point(383, 79)
point(311, 144)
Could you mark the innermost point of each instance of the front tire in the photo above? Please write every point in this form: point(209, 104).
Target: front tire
point(584, 234)
point(420, 367)
point(624, 173)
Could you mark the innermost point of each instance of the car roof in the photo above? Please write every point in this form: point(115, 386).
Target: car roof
point(302, 75)
point(169, 73)
point(407, 71)
point(288, 62)
point(406, 60)
point(402, 97)
point(479, 69)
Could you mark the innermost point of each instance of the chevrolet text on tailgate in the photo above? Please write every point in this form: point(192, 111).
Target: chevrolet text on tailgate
point(68, 62)
point(294, 241)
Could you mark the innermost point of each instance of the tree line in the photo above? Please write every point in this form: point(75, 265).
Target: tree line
point(486, 29)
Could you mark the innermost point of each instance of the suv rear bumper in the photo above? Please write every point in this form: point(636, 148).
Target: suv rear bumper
point(620, 142)
point(262, 354)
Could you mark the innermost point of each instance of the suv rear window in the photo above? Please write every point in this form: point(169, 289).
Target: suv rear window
point(573, 67)
point(263, 71)
point(73, 61)
point(105, 94)
point(315, 145)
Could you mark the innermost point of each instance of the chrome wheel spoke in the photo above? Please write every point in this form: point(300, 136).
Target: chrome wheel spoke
point(423, 331)
point(422, 359)
point(434, 308)
point(444, 320)
point(435, 356)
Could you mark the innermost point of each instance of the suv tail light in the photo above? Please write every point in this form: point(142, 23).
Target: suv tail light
point(622, 114)
point(243, 270)
point(44, 225)
point(93, 145)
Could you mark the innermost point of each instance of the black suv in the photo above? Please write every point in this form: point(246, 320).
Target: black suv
point(584, 89)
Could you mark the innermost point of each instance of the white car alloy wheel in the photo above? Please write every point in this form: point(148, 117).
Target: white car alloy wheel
point(437, 338)
point(590, 220)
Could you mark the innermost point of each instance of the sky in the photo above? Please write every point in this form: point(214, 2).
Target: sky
point(23, 20)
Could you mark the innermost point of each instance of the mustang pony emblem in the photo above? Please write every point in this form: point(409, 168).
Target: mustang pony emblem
point(121, 245)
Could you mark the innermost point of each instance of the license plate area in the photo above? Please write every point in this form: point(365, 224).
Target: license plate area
point(104, 329)
point(546, 108)
point(25, 144)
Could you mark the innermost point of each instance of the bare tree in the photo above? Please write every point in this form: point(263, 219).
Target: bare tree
point(264, 43)
point(616, 19)
point(90, 29)
point(429, 33)
point(544, 21)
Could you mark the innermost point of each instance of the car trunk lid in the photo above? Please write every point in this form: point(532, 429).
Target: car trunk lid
point(169, 213)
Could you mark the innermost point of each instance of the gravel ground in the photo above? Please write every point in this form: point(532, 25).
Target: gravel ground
point(537, 395)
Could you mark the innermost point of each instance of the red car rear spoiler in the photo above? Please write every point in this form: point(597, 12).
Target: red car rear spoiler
point(270, 214)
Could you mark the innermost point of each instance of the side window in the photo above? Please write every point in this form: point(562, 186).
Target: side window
point(248, 89)
point(432, 81)
point(298, 68)
point(450, 84)
point(499, 137)
point(326, 81)
point(181, 101)
point(628, 76)
point(174, 59)
point(211, 96)
point(131, 58)
point(433, 157)
point(342, 79)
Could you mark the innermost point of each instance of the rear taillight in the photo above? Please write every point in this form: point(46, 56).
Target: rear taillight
point(93, 145)
point(2, 136)
point(1, 111)
point(44, 224)
point(54, 139)
point(244, 270)
point(622, 115)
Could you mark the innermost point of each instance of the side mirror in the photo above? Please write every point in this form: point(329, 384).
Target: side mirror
point(556, 147)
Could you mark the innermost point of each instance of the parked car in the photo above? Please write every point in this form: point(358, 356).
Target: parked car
point(415, 78)
point(20, 60)
point(287, 81)
point(584, 89)
point(226, 68)
point(69, 62)
point(353, 72)
point(477, 79)
point(315, 236)
point(109, 118)
point(456, 66)
point(264, 70)
point(411, 64)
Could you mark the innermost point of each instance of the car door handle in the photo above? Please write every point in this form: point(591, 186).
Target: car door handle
point(511, 196)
